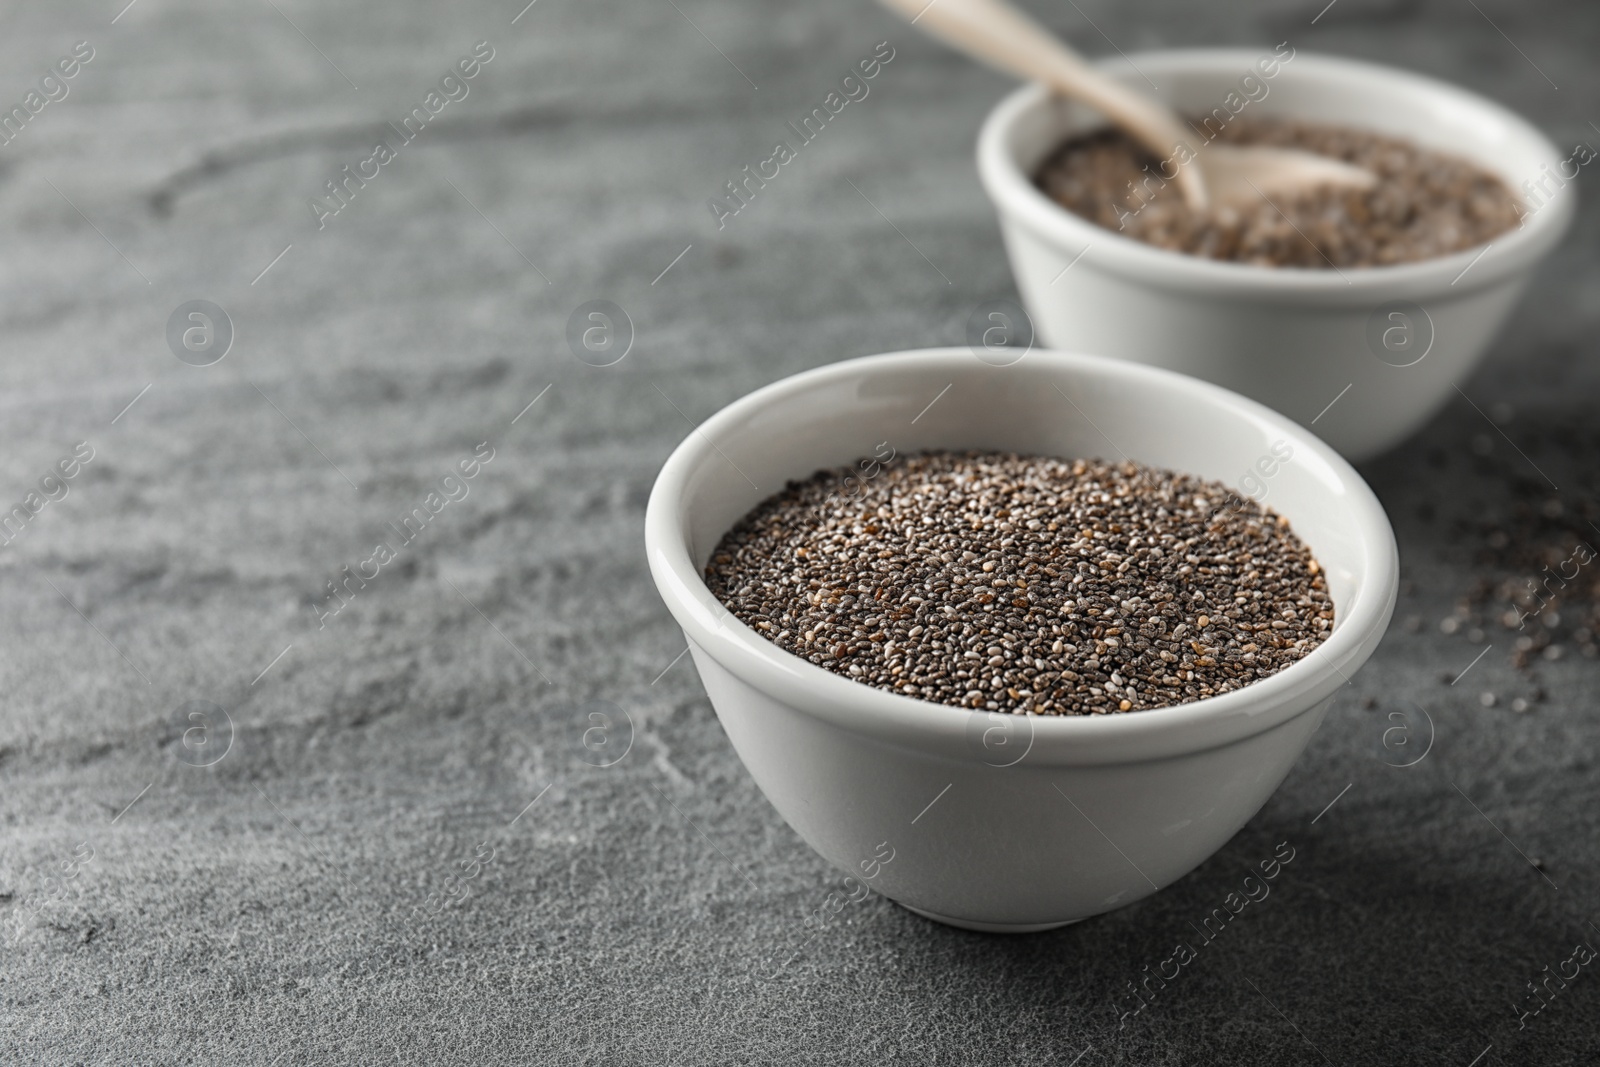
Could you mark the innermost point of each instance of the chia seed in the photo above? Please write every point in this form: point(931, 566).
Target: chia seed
point(1425, 204)
point(1025, 584)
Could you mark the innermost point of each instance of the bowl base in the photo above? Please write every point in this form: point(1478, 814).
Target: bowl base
point(990, 928)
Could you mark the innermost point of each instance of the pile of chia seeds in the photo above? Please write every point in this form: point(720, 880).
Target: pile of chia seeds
point(1425, 203)
point(1025, 584)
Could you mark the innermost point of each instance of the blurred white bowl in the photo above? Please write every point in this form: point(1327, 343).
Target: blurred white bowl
point(1002, 822)
point(1294, 339)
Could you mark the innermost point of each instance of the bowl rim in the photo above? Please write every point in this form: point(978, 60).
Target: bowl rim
point(906, 721)
point(1014, 194)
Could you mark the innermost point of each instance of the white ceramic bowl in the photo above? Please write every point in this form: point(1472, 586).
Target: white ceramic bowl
point(1293, 339)
point(1002, 822)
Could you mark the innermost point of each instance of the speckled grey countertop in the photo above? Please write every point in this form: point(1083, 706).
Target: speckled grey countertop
point(396, 852)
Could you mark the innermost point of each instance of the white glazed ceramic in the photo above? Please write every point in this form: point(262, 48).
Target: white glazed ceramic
point(1000, 822)
point(1292, 339)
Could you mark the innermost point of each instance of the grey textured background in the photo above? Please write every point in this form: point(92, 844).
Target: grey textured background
point(284, 904)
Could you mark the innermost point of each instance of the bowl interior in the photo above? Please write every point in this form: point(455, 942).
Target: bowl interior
point(1315, 88)
point(1048, 404)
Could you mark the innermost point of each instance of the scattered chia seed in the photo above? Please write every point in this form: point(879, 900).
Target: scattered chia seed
point(1534, 551)
point(1026, 584)
point(1425, 203)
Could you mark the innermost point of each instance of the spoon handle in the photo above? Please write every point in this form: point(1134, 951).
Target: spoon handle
point(1004, 37)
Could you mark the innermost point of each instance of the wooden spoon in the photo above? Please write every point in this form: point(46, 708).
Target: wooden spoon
point(1207, 174)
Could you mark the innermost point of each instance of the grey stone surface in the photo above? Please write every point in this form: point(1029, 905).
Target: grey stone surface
point(321, 893)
